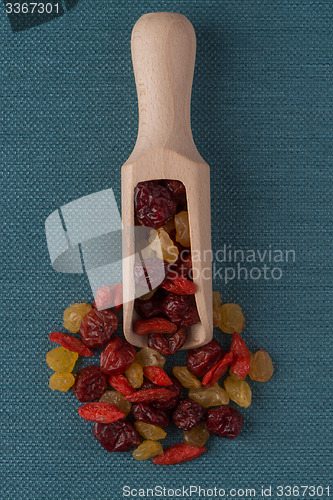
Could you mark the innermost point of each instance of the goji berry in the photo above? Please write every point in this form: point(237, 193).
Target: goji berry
point(117, 356)
point(241, 356)
point(150, 395)
point(179, 453)
point(121, 384)
point(117, 294)
point(106, 413)
point(71, 343)
point(152, 325)
point(179, 285)
point(157, 375)
point(218, 370)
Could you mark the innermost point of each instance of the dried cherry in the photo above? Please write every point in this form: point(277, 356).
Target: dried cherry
point(224, 421)
point(150, 415)
point(90, 384)
point(118, 436)
point(200, 360)
point(151, 307)
point(117, 356)
point(180, 309)
point(97, 327)
point(154, 204)
point(188, 414)
point(168, 344)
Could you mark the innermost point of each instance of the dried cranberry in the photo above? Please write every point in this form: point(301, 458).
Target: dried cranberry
point(188, 414)
point(150, 273)
point(224, 421)
point(200, 360)
point(181, 309)
point(119, 436)
point(168, 343)
point(176, 387)
point(150, 415)
point(117, 356)
point(151, 307)
point(154, 204)
point(97, 327)
point(90, 384)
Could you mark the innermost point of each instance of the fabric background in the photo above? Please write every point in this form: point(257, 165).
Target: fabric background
point(262, 119)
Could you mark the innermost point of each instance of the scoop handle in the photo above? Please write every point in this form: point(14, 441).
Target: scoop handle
point(163, 53)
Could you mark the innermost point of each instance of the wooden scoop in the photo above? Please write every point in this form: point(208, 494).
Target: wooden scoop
point(163, 53)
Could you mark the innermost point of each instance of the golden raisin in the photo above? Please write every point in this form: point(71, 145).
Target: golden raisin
point(186, 378)
point(134, 375)
point(149, 357)
point(232, 318)
point(261, 366)
point(117, 399)
point(209, 396)
point(182, 229)
point(61, 381)
point(149, 431)
point(169, 226)
point(147, 449)
point(197, 436)
point(217, 301)
point(164, 246)
point(238, 391)
point(73, 316)
point(61, 360)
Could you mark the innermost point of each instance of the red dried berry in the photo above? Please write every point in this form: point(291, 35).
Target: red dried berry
point(241, 356)
point(177, 188)
point(167, 344)
point(224, 421)
point(121, 384)
point(179, 285)
point(181, 309)
point(150, 273)
point(117, 294)
point(179, 453)
point(150, 395)
point(152, 325)
point(154, 204)
point(157, 375)
point(200, 360)
point(152, 307)
point(218, 370)
point(97, 327)
point(90, 384)
point(117, 356)
point(150, 415)
point(71, 343)
point(188, 414)
point(119, 436)
point(105, 413)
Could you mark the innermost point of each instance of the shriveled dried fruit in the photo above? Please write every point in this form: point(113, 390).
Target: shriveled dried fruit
point(200, 360)
point(70, 343)
point(150, 415)
point(167, 404)
point(186, 378)
point(152, 307)
point(134, 374)
point(181, 309)
point(117, 399)
point(188, 414)
point(168, 343)
point(97, 327)
point(224, 421)
point(121, 384)
point(238, 391)
point(217, 301)
point(61, 360)
point(182, 229)
point(154, 204)
point(148, 449)
point(163, 245)
point(232, 318)
point(61, 381)
point(177, 188)
point(169, 227)
point(179, 453)
point(90, 384)
point(241, 356)
point(261, 366)
point(117, 356)
point(119, 436)
point(179, 285)
point(105, 413)
point(152, 325)
point(157, 375)
point(73, 316)
point(150, 395)
point(149, 431)
point(209, 396)
point(149, 357)
point(218, 370)
point(198, 436)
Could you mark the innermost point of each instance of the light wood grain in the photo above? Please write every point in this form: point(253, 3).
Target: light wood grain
point(163, 53)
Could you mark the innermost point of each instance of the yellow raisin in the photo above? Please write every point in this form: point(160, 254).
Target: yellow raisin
point(149, 431)
point(147, 449)
point(134, 375)
point(238, 391)
point(209, 396)
point(61, 381)
point(182, 229)
point(73, 316)
point(232, 318)
point(261, 366)
point(61, 360)
point(117, 399)
point(217, 301)
point(198, 436)
point(169, 226)
point(186, 378)
point(164, 246)
point(149, 357)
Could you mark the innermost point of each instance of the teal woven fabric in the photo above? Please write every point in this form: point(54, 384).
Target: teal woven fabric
point(262, 118)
